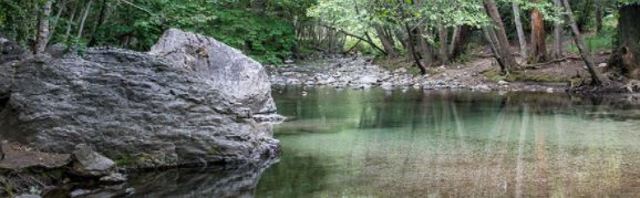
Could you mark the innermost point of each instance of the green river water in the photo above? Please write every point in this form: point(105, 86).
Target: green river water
point(375, 143)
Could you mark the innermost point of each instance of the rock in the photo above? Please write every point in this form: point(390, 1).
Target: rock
point(481, 88)
point(114, 178)
point(271, 118)
point(602, 65)
point(87, 162)
point(369, 79)
point(502, 82)
point(143, 111)
point(28, 196)
point(57, 50)
point(401, 70)
point(228, 70)
point(11, 51)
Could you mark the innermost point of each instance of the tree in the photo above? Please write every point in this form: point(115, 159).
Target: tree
point(626, 56)
point(538, 36)
point(520, 30)
point(43, 28)
point(584, 51)
point(558, 29)
point(502, 47)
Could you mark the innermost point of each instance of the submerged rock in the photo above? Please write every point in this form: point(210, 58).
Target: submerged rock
point(142, 110)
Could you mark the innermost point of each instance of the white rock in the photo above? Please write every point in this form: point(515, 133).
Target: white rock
point(602, 65)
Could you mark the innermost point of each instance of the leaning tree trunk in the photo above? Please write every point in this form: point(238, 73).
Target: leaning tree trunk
point(43, 28)
point(501, 36)
point(538, 45)
point(584, 51)
point(87, 9)
point(521, 37)
point(412, 49)
point(387, 41)
point(626, 56)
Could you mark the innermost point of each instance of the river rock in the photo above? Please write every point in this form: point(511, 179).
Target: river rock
point(239, 77)
point(87, 162)
point(142, 110)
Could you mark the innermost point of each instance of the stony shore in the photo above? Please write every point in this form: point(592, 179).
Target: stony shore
point(361, 73)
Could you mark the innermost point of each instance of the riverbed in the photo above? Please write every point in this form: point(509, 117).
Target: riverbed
point(415, 143)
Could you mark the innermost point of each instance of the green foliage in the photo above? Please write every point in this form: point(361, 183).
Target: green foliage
point(603, 40)
point(263, 31)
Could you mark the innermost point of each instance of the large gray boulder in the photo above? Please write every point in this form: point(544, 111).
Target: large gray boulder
point(10, 52)
point(241, 79)
point(139, 110)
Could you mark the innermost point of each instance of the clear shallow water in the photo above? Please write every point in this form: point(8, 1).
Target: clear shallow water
point(354, 143)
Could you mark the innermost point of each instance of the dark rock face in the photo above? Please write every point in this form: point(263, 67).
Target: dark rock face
point(239, 78)
point(140, 110)
point(9, 53)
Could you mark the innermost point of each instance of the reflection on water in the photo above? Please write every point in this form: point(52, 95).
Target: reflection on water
point(375, 143)
point(354, 143)
point(209, 182)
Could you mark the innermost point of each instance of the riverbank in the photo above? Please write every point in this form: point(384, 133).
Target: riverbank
point(480, 73)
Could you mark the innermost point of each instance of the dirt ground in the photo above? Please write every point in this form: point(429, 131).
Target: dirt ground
point(482, 69)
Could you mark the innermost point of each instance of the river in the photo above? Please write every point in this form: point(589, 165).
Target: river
point(376, 143)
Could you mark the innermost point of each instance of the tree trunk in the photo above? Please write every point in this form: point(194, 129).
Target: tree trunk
point(424, 47)
point(490, 35)
point(501, 37)
point(87, 9)
point(599, 15)
point(67, 33)
point(584, 51)
point(43, 28)
point(538, 44)
point(443, 34)
point(521, 37)
point(387, 41)
point(557, 35)
point(412, 49)
point(459, 41)
point(626, 56)
point(99, 23)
